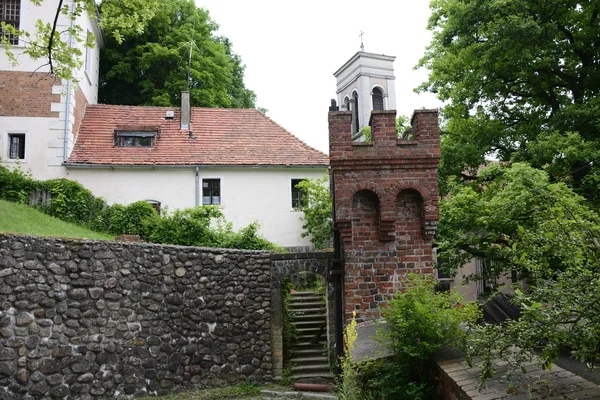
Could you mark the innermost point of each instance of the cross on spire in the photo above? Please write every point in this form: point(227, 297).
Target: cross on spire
point(362, 46)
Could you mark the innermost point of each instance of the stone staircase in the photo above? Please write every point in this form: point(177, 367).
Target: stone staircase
point(309, 360)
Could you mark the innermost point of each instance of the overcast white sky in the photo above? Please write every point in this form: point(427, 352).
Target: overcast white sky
point(292, 48)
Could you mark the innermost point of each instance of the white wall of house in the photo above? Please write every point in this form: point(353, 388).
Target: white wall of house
point(247, 194)
point(38, 143)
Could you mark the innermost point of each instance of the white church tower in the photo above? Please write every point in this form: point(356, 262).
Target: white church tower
point(364, 83)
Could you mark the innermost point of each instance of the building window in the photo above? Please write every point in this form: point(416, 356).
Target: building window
point(88, 57)
point(377, 99)
point(155, 204)
point(16, 146)
point(355, 120)
point(298, 195)
point(10, 13)
point(135, 139)
point(211, 192)
point(441, 270)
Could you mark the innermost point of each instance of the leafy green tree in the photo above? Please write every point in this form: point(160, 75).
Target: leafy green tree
point(50, 44)
point(318, 210)
point(514, 218)
point(176, 51)
point(521, 79)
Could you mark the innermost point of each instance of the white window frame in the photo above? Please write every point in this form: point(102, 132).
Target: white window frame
point(6, 147)
point(207, 178)
point(290, 190)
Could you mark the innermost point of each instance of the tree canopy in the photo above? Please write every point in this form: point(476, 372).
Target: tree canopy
point(521, 79)
point(151, 68)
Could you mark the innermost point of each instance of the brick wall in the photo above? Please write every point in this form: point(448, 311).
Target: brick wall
point(79, 111)
point(386, 201)
point(26, 94)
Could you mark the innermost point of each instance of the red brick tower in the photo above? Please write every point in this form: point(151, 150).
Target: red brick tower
point(386, 205)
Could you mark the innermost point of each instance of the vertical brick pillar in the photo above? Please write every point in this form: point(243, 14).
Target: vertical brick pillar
point(386, 202)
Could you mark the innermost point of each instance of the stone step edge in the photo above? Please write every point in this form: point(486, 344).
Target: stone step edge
point(298, 395)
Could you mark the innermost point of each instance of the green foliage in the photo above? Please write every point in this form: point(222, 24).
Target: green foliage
point(71, 202)
point(52, 43)
point(557, 314)
point(515, 219)
point(16, 185)
point(318, 211)
point(289, 332)
point(202, 226)
point(420, 322)
point(521, 82)
point(347, 385)
point(151, 68)
point(402, 129)
point(22, 219)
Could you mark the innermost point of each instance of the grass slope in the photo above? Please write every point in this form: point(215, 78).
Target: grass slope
point(19, 218)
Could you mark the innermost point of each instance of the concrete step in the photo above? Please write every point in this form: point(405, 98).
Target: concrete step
point(313, 377)
point(320, 359)
point(303, 294)
point(308, 352)
point(306, 339)
point(296, 317)
point(307, 305)
point(288, 394)
point(306, 345)
point(306, 299)
point(305, 368)
point(311, 331)
point(313, 323)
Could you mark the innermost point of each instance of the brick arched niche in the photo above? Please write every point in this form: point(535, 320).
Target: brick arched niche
point(366, 215)
point(285, 265)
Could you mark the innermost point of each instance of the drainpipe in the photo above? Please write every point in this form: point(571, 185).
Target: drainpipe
point(68, 102)
point(337, 275)
point(197, 189)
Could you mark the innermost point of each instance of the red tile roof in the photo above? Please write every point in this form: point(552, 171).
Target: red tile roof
point(219, 136)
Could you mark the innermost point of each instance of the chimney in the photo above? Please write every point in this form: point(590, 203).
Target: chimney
point(186, 111)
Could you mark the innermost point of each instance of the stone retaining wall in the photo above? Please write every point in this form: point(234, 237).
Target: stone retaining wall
point(91, 319)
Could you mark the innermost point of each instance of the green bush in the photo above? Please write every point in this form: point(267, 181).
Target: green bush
point(420, 322)
point(16, 185)
point(71, 202)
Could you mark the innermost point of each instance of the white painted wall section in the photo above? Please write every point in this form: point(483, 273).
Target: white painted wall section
point(247, 194)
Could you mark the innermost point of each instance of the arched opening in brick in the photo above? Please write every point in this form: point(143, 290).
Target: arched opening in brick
point(410, 217)
point(413, 247)
point(365, 217)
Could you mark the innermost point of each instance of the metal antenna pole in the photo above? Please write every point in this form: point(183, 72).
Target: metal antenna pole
point(189, 78)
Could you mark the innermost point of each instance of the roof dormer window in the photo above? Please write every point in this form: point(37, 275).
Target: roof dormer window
point(135, 139)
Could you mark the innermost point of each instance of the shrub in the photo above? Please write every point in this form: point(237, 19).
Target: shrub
point(420, 322)
point(71, 202)
point(16, 185)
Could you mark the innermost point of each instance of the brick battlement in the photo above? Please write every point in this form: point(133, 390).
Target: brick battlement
point(387, 205)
